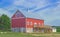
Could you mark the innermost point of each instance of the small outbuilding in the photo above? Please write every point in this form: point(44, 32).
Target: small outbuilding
point(54, 29)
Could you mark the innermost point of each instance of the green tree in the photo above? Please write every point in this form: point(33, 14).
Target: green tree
point(0, 23)
point(5, 22)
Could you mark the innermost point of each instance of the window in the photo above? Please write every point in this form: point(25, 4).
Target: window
point(27, 23)
point(35, 24)
point(39, 23)
point(30, 23)
point(18, 14)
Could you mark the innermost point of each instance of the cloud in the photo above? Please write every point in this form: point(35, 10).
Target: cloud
point(18, 2)
point(50, 15)
point(3, 11)
point(22, 3)
point(49, 10)
point(47, 4)
point(30, 3)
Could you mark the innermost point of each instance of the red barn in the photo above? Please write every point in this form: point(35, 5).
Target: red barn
point(21, 23)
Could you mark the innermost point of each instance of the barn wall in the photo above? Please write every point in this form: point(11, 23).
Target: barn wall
point(22, 29)
point(40, 23)
point(30, 24)
point(18, 25)
point(15, 29)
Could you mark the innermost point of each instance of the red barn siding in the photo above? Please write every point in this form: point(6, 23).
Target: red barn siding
point(34, 21)
point(18, 23)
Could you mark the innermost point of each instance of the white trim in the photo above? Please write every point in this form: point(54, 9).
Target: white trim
point(18, 18)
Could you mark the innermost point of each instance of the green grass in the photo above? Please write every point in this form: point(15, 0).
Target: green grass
point(12, 34)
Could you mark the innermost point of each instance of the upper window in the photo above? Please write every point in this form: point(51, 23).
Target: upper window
point(27, 23)
point(39, 24)
point(18, 14)
point(30, 23)
point(35, 24)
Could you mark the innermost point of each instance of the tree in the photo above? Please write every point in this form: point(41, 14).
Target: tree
point(4, 22)
point(0, 23)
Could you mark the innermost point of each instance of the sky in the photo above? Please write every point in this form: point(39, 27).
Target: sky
point(48, 10)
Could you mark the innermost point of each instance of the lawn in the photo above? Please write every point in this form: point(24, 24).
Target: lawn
point(11, 34)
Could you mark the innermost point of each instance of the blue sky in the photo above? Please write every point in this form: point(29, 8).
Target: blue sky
point(49, 10)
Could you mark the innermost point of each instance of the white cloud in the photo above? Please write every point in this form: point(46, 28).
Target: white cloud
point(48, 14)
point(51, 14)
point(18, 2)
point(30, 3)
point(3, 11)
